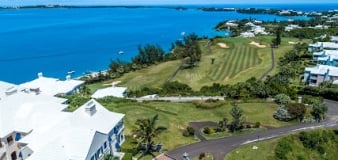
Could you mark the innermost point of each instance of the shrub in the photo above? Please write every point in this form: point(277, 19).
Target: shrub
point(201, 156)
point(282, 99)
point(282, 114)
point(186, 133)
point(257, 125)
point(283, 147)
point(191, 130)
point(247, 126)
point(208, 130)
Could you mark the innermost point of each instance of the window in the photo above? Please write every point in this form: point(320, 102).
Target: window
point(9, 139)
point(17, 136)
point(0, 143)
point(105, 145)
point(13, 155)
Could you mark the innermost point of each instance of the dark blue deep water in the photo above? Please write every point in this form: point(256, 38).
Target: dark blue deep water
point(55, 41)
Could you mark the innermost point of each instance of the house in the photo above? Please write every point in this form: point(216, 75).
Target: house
point(326, 57)
point(38, 127)
point(53, 86)
point(114, 91)
point(7, 89)
point(322, 45)
point(334, 39)
point(231, 24)
point(290, 27)
point(247, 34)
point(314, 76)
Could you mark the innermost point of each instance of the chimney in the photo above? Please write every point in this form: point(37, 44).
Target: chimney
point(90, 108)
point(68, 77)
point(40, 75)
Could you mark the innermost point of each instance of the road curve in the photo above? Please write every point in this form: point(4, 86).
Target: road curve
point(220, 147)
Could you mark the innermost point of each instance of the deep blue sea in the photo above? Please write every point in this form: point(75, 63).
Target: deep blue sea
point(55, 41)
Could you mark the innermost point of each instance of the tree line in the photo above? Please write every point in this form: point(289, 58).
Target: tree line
point(187, 49)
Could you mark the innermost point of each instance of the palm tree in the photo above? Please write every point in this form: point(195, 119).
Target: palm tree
point(145, 132)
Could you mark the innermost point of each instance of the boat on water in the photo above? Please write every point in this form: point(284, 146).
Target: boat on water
point(121, 52)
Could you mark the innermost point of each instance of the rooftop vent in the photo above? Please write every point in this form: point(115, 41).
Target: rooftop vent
point(11, 91)
point(40, 74)
point(68, 77)
point(90, 108)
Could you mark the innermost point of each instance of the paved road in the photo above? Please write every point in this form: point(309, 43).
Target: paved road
point(177, 98)
point(220, 147)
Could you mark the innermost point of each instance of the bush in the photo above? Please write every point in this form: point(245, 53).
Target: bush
point(201, 156)
point(247, 126)
point(208, 130)
point(191, 130)
point(282, 99)
point(283, 147)
point(282, 114)
point(186, 133)
point(257, 125)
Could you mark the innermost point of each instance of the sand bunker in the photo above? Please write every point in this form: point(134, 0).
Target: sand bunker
point(290, 42)
point(223, 45)
point(257, 44)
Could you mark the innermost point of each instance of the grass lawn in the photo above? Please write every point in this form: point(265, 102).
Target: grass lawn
point(228, 134)
point(234, 64)
point(265, 151)
point(176, 116)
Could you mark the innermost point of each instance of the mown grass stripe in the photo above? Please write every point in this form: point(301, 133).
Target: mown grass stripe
point(225, 68)
point(234, 62)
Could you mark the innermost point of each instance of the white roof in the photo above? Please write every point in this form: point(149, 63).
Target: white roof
point(52, 86)
point(24, 112)
point(247, 34)
point(330, 45)
point(4, 86)
point(323, 69)
point(72, 137)
point(110, 91)
point(334, 38)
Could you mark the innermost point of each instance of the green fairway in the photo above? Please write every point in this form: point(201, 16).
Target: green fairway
point(237, 63)
point(176, 116)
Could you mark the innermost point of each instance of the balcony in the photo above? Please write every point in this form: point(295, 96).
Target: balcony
point(118, 128)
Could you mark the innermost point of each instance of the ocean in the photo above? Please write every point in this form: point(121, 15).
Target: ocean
point(56, 41)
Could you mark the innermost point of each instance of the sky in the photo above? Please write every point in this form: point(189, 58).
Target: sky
point(137, 2)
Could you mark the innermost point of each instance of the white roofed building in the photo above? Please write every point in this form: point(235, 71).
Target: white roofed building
point(314, 76)
point(322, 45)
point(114, 91)
point(326, 57)
point(53, 86)
point(38, 127)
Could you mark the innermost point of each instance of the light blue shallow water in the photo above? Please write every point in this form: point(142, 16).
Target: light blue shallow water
point(55, 41)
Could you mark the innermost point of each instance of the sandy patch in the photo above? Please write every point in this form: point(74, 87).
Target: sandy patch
point(290, 42)
point(223, 45)
point(257, 44)
point(115, 83)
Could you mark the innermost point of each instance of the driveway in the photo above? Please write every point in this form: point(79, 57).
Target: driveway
point(220, 147)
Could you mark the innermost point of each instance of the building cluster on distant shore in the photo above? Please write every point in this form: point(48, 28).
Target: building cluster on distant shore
point(325, 54)
point(35, 124)
point(255, 28)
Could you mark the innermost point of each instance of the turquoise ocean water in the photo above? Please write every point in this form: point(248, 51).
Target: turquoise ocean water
point(55, 41)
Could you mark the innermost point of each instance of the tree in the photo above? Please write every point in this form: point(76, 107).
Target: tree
point(296, 110)
point(318, 111)
point(238, 120)
point(277, 41)
point(145, 132)
point(282, 99)
point(108, 157)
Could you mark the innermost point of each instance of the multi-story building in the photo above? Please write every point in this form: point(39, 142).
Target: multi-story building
point(39, 127)
point(314, 76)
point(326, 57)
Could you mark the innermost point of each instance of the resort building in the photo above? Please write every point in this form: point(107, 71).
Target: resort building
point(314, 76)
point(291, 27)
point(247, 34)
point(114, 91)
point(52, 86)
point(322, 45)
point(39, 127)
point(326, 57)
